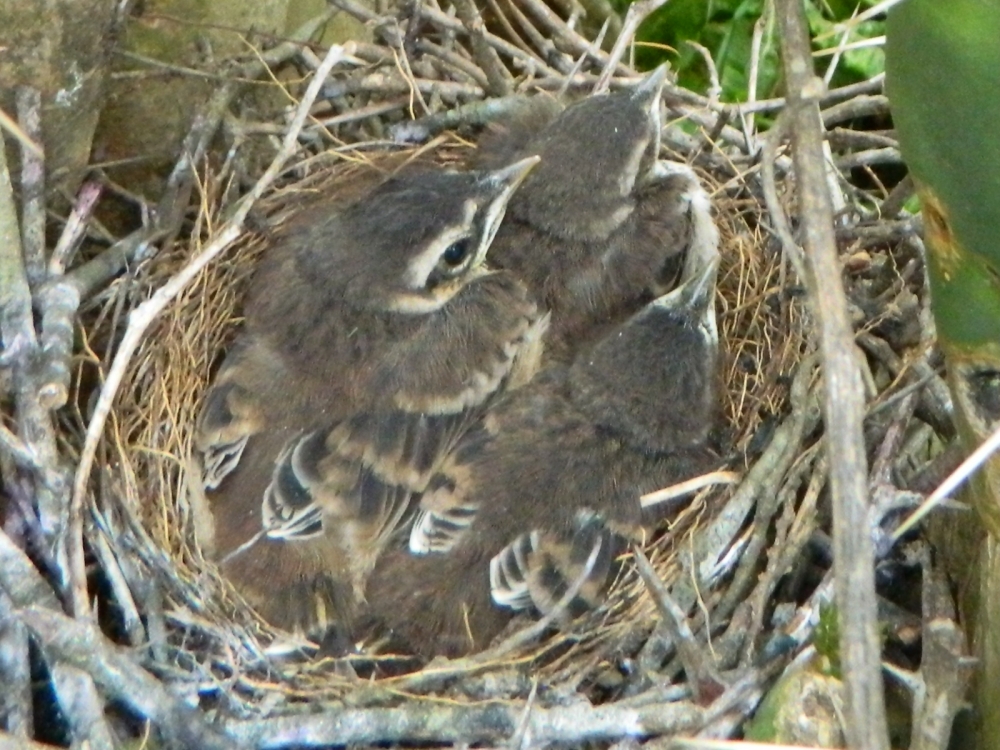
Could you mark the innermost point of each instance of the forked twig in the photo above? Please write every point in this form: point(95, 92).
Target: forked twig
point(636, 14)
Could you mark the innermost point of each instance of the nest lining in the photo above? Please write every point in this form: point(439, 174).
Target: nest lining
point(214, 636)
point(150, 440)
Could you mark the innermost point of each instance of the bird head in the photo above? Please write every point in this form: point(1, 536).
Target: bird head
point(592, 155)
point(653, 381)
point(418, 238)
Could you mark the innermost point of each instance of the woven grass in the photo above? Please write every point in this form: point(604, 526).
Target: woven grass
point(149, 443)
point(752, 535)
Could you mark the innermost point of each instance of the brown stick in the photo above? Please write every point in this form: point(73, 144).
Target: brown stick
point(486, 56)
point(82, 646)
point(843, 404)
point(29, 107)
point(20, 351)
point(15, 672)
point(446, 723)
point(145, 313)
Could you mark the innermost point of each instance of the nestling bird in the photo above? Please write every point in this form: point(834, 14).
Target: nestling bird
point(601, 226)
point(373, 339)
point(544, 491)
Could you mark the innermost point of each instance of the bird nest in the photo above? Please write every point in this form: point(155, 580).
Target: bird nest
point(739, 566)
point(150, 444)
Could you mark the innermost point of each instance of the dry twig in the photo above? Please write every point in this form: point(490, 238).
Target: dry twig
point(143, 315)
point(202, 639)
point(843, 402)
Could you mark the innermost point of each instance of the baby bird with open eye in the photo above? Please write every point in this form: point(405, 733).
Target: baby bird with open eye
point(374, 338)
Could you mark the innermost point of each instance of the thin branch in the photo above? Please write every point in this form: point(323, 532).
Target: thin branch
point(714, 87)
point(841, 138)
point(687, 487)
point(521, 740)
point(837, 54)
point(99, 270)
point(144, 314)
point(75, 227)
point(82, 706)
point(857, 106)
point(509, 31)
point(29, 108)
point(474, 113)
point(20, 348)
point(169, 211)
point(131, 622)
point(636, 14)
point(20, 579)
point(791, 536)
point(954, 480)
point(446, 723)
point(935, 398)
point(18, 450)
point(763, 478)
point(700, 670)
point(517, 56)
point(766, 19)
point(15, 673)
point(843, 403)
point(869, 158)
point(892, 206)
point(945, 665)
point(778, 484)
point(544, 44)
point(454, 60)
point(81, 645)
point(566, 39)
point(397, 84)
point(9, 125)
point(59, 303)
point(485, 55)
point(13, 742)
point(779, 221)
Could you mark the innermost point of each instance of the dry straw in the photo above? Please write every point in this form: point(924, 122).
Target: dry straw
point(724, 557)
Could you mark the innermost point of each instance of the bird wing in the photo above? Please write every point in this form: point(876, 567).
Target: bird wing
point(365, 471)
point(541, 569)
point(450, 502)
point(488, 334)
point(368, 471)
point(233, 408)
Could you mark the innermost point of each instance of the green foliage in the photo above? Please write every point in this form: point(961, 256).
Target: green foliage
point(827, 640)
point(941, 78)
point(856, 64)
point(726, 27)
point(945, 91)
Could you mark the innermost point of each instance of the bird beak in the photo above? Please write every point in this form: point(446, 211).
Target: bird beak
point(647, 95)
point(648, 92)
point(507, 179)
point(698, 291)
point(502, 183)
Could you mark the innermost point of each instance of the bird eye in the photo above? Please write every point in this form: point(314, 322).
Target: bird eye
point(456, 253)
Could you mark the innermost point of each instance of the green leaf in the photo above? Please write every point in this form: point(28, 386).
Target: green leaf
point(943, 78)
